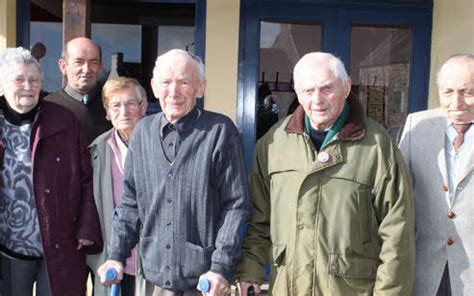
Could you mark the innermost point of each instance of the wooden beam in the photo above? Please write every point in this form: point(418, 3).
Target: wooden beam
point(76, 19)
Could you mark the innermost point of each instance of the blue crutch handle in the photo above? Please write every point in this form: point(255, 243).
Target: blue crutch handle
point(110, 275)
point(204, 285)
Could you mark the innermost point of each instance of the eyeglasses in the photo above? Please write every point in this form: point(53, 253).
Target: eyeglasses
point(20, 81)
point(131, 105)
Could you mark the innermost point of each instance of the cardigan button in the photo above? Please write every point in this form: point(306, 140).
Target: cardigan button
point(47, 191)
point(450, 242)
point(451, 214)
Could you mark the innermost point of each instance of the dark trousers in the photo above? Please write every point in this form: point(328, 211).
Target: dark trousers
point(445, 284)
point(127, 285)
point(152, 290)
point(18, 277)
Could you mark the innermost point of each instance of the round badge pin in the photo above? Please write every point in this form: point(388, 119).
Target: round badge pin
point(323, 157)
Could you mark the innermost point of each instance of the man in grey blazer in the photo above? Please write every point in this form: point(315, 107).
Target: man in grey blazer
point(438, 146)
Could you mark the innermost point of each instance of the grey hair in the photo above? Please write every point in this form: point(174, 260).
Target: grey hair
point(17, 55)
point(336, 66)
point(182, 53)
point(456, 57)
point(121, 83)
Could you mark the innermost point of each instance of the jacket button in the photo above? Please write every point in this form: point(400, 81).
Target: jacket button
point(58, 159)
point(170, 175)
point(451, 214)
point(167, 283)
point(56, 246)
point(445, 188)
point(47, 191)
point(169, 200)
point(450, 242)
point(167, 268)
point(168, 246)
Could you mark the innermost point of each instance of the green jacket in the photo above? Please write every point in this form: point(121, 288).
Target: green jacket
point(340, 227)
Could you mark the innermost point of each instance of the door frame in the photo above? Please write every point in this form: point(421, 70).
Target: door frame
point(336, 18)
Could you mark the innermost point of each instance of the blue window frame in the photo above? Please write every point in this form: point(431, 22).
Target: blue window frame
point(336, 18)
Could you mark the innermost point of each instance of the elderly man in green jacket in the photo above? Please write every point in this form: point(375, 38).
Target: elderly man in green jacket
point(332, 199)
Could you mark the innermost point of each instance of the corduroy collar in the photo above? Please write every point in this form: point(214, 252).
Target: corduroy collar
point(353, 129)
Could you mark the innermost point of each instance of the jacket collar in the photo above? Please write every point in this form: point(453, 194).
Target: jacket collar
point(51, 119)
point(101, 139)
point(352, 130)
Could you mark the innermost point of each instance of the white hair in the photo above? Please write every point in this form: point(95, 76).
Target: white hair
point(17, 55)
point(466, 57)
point(185, 54)
point(336, 66)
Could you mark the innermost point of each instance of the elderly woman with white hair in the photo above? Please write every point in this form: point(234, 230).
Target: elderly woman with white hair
point(48, 219)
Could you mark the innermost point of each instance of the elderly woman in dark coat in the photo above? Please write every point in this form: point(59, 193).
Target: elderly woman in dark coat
point(48, 219)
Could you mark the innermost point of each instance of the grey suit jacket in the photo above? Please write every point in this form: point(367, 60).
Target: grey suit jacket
point(422, 145)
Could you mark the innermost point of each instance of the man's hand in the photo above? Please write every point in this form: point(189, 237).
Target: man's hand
point(244, 286)
point(82, 242)
point(110, 264)
point(219, 285)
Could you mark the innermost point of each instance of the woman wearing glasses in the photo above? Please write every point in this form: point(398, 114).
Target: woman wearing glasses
point(48, 219)
point(125, 103)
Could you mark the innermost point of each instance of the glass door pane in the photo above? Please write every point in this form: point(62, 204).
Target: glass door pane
point(281, 46)
point(380, 72)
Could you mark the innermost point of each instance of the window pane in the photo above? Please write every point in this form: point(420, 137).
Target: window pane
point(380, 72)
point(170, 37)
point(50, 35)
point(114, 38)
point(281, 46)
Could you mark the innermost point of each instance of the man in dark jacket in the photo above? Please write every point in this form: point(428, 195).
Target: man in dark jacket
point(81, 64)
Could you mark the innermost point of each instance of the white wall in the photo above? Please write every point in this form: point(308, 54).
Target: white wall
point(453, 32)
point(7, 24)
point(222, 46)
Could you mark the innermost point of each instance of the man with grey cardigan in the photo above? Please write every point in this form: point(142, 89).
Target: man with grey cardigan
point(185, 190)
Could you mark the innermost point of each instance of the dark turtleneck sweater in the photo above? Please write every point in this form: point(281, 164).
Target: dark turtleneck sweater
point(15, 117)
